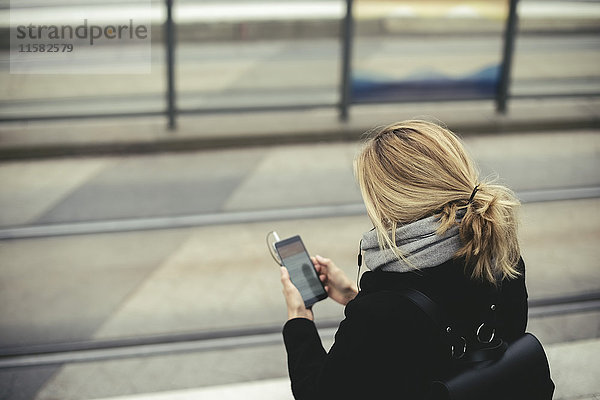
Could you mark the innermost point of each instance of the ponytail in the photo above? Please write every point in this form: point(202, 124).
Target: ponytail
point(488, 233)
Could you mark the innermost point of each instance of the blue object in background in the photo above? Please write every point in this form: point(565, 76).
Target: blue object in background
point(430, 85)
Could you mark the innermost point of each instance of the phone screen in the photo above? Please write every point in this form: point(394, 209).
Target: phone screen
point(302, 271)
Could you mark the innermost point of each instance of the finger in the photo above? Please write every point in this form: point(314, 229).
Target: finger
point(322, 274)
point(316, 262)
point(321, 266)
point(323, 260)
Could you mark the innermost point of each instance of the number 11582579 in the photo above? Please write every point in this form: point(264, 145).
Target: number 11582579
point(45, 48)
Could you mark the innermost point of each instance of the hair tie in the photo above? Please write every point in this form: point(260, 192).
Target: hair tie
point(473, 194)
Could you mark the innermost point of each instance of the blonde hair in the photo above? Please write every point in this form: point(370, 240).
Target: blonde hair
point(414, 169)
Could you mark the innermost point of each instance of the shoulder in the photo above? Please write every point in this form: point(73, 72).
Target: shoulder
point(389, 309)
point(515, 287)
point(384, 300)
point(387, 329)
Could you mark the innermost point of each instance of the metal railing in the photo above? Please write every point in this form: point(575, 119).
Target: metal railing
point(346, 99)
point(345, 94)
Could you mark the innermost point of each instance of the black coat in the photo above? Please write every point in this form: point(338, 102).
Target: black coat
point(386, 347)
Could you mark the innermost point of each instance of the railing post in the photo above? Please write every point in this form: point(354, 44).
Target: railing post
point(507, 56)
point(170, 51)
point(346, 84)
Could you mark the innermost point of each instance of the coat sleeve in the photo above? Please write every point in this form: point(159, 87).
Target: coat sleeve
point(306, 355)
point(383, 346)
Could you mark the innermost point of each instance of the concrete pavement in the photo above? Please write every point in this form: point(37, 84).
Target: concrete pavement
point(199, 279)
point(121, 136)
point(104, 286)
point(51, 191)
point(201, 284)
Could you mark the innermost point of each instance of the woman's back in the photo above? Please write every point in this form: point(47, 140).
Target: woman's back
point(438, 228)
point(386, 347)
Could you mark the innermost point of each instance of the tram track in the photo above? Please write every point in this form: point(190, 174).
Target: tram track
point(227, 218)
point(53, 354)
point(101, 350)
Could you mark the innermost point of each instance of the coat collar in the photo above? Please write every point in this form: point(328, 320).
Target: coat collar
point(448, 276)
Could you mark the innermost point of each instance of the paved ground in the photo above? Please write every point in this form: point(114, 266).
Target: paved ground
point(198, 279)
point(572, 382)
point(114, 285)
point(260, 178)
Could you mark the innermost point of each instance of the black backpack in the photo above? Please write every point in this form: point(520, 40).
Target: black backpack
point(495, 370)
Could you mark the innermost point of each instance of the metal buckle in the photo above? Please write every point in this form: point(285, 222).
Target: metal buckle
point(491, 337)
point(464, 350)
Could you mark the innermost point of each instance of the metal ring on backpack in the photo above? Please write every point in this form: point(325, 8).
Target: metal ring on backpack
point(464, 350)
point(491, 337)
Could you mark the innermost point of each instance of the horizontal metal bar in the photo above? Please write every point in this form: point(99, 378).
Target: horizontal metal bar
point(214, 110)
point(188, 221)
point(56, 354)
point(543, 195)
point(139, 351)
point(104, 344)
point(150, 349)
point(443, 99)
point(54, 117)
point(537, 307)
point(533, 96)
point(425, 99)
point(247, 109)
point(417, 100)
point(48, 348)
point(138, 224)
point(275, 108)
point(567, 299)
point(561, 309)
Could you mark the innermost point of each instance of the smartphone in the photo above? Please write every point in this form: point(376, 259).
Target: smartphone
point(303, 274)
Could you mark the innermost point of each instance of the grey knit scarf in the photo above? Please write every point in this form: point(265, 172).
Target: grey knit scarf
point(419, 244)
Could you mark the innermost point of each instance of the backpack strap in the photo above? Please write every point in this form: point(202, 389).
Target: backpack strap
point(486, 332)
point(457, 343)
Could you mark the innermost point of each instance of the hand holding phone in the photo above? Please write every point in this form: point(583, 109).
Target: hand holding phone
point(339, 287)
point(293, 298)
point(301, 270)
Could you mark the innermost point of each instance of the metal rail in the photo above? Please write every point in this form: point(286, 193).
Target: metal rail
point(170, 53)
point(171, 111)
point(346, 84)
point(284, 107)
point(507, 55)
point(188, 221)
point(99, 350)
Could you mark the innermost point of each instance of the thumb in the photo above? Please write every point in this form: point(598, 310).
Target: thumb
point(288, 285)
point(285, 277)
point(284, 273)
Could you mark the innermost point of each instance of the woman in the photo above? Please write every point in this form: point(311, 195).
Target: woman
point(437, 229)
